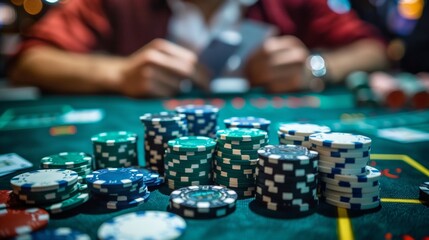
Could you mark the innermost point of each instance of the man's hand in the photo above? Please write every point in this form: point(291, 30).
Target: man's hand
point(157, 69)
point(279, 65)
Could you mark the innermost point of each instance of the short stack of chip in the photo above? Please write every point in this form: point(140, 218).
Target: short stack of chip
point(236, 158)
point(79, 162)
point(115, 149)
point(298, 133)
point(287, 179)
point(159, 129)
point(247, 122)
point(346, 180)
point(203, 201)
point(188, 161)
point(202, 119)
point(118, 188)
point(55, 190)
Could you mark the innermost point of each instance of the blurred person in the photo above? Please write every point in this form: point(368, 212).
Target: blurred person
point(102, 46)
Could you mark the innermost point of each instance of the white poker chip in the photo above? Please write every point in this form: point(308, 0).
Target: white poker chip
point(303, 129)
point(143, 225)
point(340, 140)
point(372, 174)
point(44, 180)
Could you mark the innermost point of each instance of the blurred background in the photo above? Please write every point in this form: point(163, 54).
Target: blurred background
point(404, 23)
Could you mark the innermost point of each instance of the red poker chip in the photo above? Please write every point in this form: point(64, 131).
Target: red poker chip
point(14, 222)
point(9, 199)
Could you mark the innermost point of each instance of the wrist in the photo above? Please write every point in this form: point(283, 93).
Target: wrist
point(108, 72)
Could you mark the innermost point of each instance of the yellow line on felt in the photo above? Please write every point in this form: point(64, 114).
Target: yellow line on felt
point(345, 231)
point(387, 157)
point(413, 163)
point(398, 200)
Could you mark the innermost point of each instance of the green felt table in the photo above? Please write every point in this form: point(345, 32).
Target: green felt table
point(404, 166)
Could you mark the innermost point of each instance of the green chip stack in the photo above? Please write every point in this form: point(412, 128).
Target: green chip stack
point(236, 158)
point(79, 162)
point(188, 161)
point(115, 149)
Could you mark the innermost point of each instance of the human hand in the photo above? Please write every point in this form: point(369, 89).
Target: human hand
point(279, 65)
point(157, 69)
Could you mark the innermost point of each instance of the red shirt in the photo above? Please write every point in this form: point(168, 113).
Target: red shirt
point(123, 26)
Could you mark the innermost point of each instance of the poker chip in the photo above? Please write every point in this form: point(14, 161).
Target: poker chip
point(8, 199)
point(192, 143)
point(340, 140)
point(21, 221)
point(287, 179)
point(353, 206)
point(159, 128)
point(115, 149)
point(298, 133)
point(143, 225)
point(132, 201)
point(79, 162)
point(204, 201)
point(201, 119)
point(70, 203)
point(242, 134)
point(151, 178)
point(371, 175)
point(114, 178)
point(55, 234)
point(247, 122)
point(43, 180)
point(424, 192)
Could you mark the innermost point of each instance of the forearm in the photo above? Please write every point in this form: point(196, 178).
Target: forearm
point(59, 71)
point(365, 55)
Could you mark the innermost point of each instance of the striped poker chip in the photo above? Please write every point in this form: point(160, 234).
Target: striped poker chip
point(44, 180)
point(340, 140)
point(21, 221)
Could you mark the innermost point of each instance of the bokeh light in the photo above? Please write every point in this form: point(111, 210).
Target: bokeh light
point(411, 9)
point(17, 2)
point(7, 14)
point(51, 1)
point(339, 6)
point(33, 7)
point(399, 24)
point(396, 49)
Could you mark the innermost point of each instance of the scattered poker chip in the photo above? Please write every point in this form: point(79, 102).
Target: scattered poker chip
point(203, 201)
point(15, 222)
point(66, 160)
point(242, 134)
point(340, 140)
point(247, 122)
point(424, 192)
point(67, 204)
point(353, 206)
point(55, 234)
point(119, 178)
point(192, 143)
point(44, 180)
point(143, 225)
point(303, 129)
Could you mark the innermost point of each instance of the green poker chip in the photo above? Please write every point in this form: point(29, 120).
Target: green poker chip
point(192, 143)
point(242, 134)
point(237, 156)
point(70, 203)
point(235, 161)
point(237, 151)
point(113, 138)
point(67, 160)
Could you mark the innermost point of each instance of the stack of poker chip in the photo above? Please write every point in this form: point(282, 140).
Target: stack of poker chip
point(188, 161)
point(298, 133)
point(115, 149)
point(202, 119)
point(79, 162)
point(21, 221)
point(203, 201)
point(346, 180)
point(424, 192)
point(159, 129)
point(143, 225)
point(247, 122)
point(55, 190)
point(118, 188)
point(236, 158)
point(287, 179)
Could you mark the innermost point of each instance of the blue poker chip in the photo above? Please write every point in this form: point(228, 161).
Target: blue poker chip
point(247, 122)
point(114, 178)
point(162, 118)
point(62, 233)
point(198, 110)
point(129, 202)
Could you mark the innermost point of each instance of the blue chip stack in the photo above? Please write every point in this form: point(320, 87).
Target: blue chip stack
point(159, 129)
point(118, 188)
point(247, 122)
point(188, 161)
point(287, 179)
point(346, 180)
point(202, 119)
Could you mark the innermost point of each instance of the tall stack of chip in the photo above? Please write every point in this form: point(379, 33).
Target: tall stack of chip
point(202, 119)
point(287, 179)
point(203, 201)
point(298, 133)
point(115, 149)
point(159, 129)
point(118, 188)
point(55, 190)
point(236, 158)
point(188, 161)
point(247, 122)
point(346, 180)
point(79, 162)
